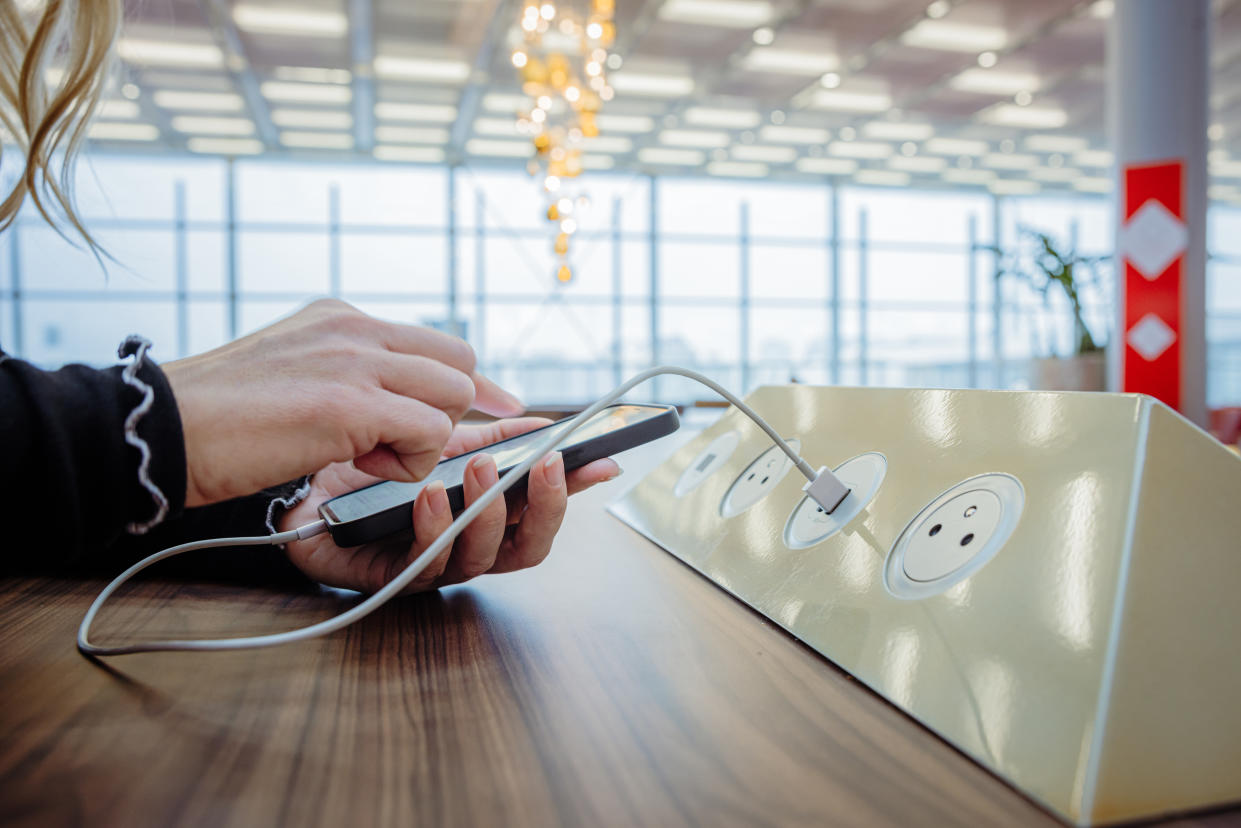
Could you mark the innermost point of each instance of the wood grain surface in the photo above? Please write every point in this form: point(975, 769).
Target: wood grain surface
point(609, 686)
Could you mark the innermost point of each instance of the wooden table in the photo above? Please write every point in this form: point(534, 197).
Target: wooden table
point(610, 685)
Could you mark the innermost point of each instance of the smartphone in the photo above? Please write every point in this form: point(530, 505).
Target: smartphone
point(386, 508)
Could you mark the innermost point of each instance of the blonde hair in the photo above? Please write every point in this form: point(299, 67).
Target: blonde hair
point(48, 121)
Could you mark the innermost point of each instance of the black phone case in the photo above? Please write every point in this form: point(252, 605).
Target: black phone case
point(399, 518)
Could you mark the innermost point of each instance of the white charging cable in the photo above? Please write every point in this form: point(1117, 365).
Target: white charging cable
point(822, 486)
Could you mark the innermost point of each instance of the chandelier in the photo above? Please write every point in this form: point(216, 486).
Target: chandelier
point(562, 60)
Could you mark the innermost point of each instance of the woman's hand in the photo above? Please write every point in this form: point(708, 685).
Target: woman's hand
point(507, 535)
point(328, 384)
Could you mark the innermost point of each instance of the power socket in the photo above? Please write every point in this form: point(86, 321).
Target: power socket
point(954, 536)
point(706, 463)
point(758, 479)
point(809, 524)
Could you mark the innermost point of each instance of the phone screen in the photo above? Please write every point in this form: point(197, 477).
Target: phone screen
point(507, 453)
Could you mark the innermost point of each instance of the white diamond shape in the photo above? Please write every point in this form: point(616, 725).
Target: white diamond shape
point(1150, 337)
point(1153, 238)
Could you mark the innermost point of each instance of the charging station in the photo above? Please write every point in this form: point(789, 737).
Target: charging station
point(1051, 582)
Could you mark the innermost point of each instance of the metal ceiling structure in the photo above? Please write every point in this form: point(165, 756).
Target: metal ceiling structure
point(999, 94)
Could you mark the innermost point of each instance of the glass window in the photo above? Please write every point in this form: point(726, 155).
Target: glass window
point(904, 217)
point(393, 264)
point(270, 191)
point(1223, 286)
point(382, 195)
point(58, 331)
point(206, 260)
point(688, 269)
point(786, 271)
point(287, 262)
point(141, 261)
point(700, 206)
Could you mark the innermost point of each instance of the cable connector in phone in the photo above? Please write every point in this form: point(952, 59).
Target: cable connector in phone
point(826, 490)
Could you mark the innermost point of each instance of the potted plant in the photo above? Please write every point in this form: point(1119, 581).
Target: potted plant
point(1041, 264)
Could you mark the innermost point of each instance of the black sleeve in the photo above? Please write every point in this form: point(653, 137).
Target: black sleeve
point(71, 483)
point(244, 516)
point(72, 494)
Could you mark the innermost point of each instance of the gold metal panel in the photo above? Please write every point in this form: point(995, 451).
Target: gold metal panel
point(1008, 665)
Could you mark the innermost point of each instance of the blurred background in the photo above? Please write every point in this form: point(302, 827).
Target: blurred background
point(824, 191)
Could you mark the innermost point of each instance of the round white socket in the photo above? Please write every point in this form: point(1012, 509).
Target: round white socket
point(809, 524)
point(707, 463)
point(954, 536)
point(758, 479)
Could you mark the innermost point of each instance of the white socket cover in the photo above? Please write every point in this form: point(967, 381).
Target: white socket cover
point(954, 536)
point(808, 524)
point(708, 461)
point(758, 479)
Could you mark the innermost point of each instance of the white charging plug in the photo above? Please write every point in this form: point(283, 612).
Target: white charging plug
point(826, 489)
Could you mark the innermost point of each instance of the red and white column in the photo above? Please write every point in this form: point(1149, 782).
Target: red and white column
point(1158, 74)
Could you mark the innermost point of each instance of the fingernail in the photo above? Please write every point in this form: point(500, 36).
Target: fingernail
point(619, 471)
point(437, 498)
point(554, 469)
point(484, 468)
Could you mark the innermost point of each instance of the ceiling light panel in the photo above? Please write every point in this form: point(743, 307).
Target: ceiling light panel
point(198, 101)
point(898, 131)
point(968, 176)
point(995, 82)
point(498, 148)
point(169, 53)
point(771, 155)
point(422, 155)
point(317, 140)
point(1010, 161)
point(498, 102)
point(607, 143)
point(206, 125)
point(650, 85)
point(289, 20)
point(859, 149)
point(426, 69)
point(1101, 159)
point(728, 118)
point(225, 146)
point(826, 166)
point(1012, 186)
point(1055, 143)
point(312, 118)
point(306, 92)
point(730, 14)
point(1093, 185)
point(502, 127)
point(947, 36)
point(105, 131)
point(598, 162)
point(794, 135)
point(693, 138)
point(845, 101)
point(416, 113)
point(633, 124)
point(117, 110)
point(790, 62)
point(1031, 117)
point(312, 74)
point(917, 163)
point(411, 135)
point(956, 146)
point(680, 157)
point(881, 178)
point(1054, 173)
point(737, 169)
